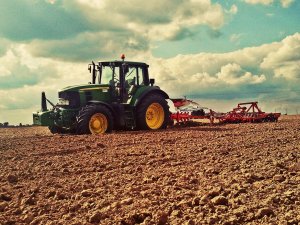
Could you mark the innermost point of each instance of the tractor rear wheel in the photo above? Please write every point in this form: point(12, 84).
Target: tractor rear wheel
point(153, 113)
point(94, 119)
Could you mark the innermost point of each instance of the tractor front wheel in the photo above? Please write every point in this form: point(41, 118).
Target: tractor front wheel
point(94, 119)
point(153, 113)
point(59, 130)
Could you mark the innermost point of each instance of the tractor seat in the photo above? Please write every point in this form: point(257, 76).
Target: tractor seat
point(131, 91)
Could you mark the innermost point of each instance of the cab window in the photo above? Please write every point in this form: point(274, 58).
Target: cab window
point(110, 75)
point(141, 76)
point(131, 77)
point(134, 76)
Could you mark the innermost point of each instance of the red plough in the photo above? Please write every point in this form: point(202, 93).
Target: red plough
point(248, 112)
point(188, 110)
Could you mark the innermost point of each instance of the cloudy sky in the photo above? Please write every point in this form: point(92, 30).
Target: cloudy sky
point(216, 52)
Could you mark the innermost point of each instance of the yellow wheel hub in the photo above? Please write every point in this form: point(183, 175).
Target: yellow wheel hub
point(98, 123)
point(155, 116)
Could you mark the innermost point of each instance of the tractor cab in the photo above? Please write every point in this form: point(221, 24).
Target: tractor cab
point(122, 77)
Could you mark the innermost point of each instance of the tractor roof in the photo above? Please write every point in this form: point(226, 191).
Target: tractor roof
point(119, 63)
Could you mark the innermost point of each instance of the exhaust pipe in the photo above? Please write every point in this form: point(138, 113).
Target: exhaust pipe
point(44, 102)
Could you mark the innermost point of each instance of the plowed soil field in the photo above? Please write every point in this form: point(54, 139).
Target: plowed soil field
point(221, 174)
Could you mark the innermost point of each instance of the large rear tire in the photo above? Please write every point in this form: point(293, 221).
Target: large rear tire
point(94, 119)
point(153, 113)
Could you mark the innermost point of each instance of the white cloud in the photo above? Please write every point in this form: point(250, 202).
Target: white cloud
point(285, 61)
point(203, 73)
point(51, 1)
point(264, 2)
point(23, 78)
point(233, 74)
point(18, 68)
point(233, 9)
point(284, 3)
point(236, 38)
point(156, 12)
point(275, 64)
point(100, 4)
point(90, 45)
point(131, 27)
point(4, 45)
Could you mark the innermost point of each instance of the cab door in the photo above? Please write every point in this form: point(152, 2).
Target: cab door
point(134, 78)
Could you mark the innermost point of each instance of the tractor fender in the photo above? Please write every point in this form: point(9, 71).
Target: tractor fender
point(153, 90)
point(94, 102)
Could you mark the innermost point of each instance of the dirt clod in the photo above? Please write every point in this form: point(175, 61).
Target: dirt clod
point(29, 201)
point(127, 201)
point(86, 193)
point(96, 217)
point(12, 178)
point(220, 200)
point(3, 206)
point(279, 178)
point(162, 218)
point(264, 212)
point(5, 197)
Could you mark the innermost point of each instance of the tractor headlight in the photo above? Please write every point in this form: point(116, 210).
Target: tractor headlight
point(62, 101)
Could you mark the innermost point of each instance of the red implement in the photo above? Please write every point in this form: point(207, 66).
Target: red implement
point(248, 112)
point(188, 110)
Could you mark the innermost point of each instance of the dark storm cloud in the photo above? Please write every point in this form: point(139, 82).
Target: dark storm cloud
point(89, 46)
point(27, 20)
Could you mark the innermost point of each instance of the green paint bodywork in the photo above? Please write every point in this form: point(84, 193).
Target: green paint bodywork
point(98, 92)
point(137, 94)
point(43, 118)
point(59, 117)
point(122, 105)
point(64, 117)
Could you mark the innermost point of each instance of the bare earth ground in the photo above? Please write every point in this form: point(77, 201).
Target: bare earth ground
point(222, 174)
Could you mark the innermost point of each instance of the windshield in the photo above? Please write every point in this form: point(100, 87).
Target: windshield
point(106, 75)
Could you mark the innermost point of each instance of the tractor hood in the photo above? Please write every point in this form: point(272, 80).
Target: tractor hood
point(84, 87)
point(77, 96)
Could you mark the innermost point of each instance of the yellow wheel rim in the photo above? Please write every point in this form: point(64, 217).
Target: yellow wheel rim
point(98, 123)
point(155, 116)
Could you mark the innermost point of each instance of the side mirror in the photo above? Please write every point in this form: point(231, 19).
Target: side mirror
point(152, 81)
point(125, 68)
point(90, 68)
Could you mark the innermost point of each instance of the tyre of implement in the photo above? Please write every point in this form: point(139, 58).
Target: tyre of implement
point(153, 113)
point(94, 119)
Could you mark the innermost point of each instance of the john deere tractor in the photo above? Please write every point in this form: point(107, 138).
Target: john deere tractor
point(120, 96)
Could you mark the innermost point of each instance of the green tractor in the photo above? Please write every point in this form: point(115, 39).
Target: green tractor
point(120, 96)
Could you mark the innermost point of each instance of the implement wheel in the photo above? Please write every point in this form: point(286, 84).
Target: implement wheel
point(153, 113)
point(94, 119)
